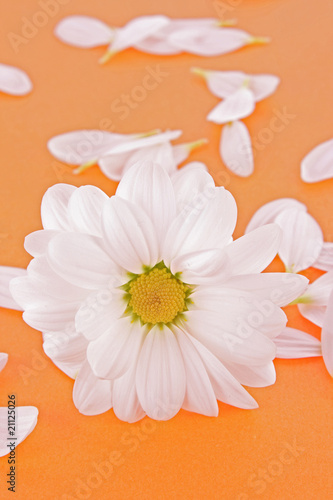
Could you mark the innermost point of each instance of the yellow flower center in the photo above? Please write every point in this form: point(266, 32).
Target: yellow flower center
point(157, 296)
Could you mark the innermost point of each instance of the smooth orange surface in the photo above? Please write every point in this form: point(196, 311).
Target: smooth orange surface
point(241, 454)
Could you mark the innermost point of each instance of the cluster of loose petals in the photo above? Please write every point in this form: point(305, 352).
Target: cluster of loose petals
point(25, 417)
point(116, 153)
point(14, 81)
point(88, 246)
point(239, 92)
point(155, 35)
point(318, 164)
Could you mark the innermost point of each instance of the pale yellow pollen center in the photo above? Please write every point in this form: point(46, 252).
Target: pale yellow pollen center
point(157, 297)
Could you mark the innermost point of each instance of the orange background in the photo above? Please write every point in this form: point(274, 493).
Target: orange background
point(190, 456)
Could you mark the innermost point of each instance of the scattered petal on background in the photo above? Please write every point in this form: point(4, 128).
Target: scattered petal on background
point(14, 81)
point(292, 344)
point(325, 259)
point(327, 336)
point(3, 360)
point(318, 164)
point(302, 239)
point(313, 303)
point(238, 105)
point(26, 420)
point(83, 31)
point(263, 86)
point(236, 149)
point(6, 275)
point(268, 212)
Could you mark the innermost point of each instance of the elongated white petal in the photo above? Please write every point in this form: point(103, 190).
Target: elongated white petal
point(143, 142)
point(26, 420)
point(268, 212)
point(14, 81)
point(192, 184)
point(209, 41)
point(199, 395)
point(253, 376)
point(91, 396)
point(253, 252)
point(160, 376)
point(83, 31)
point(85, 209)
point(200, 267)
point(263, 86)
point(3, 360)
point(36, 243)
point(161, 154)
point(315, 314)
point(227, 389)
point(67, 349)
point(53, 318)
point(222, 83)
point(6, 275)
point(158, 44)
point(54, 209)
point(293, 343)
point(130, 235)
point(325, 259)
point(126, 404)
point(232, 108)
point(236, 149)
point(302, 239)
point(318, 291)
point(148, 186)
point(207, 224)
point(113, 165)
point(327, 336)
point(135, 31)
point(318, 164)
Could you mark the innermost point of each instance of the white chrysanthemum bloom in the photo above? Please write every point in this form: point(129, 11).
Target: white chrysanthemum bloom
point(147, 302)
point(14, 81)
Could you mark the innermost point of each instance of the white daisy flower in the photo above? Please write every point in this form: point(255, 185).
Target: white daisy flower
point(14, 81)
point(147, 302)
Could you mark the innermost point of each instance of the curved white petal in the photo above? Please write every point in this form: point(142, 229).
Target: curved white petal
point(254, 251)
point(145, 141)
point(222, 83)
point(3, 360)
point(51, 317)
point(191, 184)
point(318, 164)
point(327, 336)
point(325, 259)
point(54, 208)
point(67, 350)
point(114, 352)
point(85, 209)
point(199, 395)
point(6, 275)
point(36, 243)
point(91, 395)
point(318, 292)
point(130, 236)
point(292, 343)
point(202, 266)
point(253, 376)
point(263, 86)
point(302, 239)
point(83, 31)
point(113, 165)
point(268, 212)
point(162, 154)
point(234, 107)
point(206, 223)
point(315, 314)
point(14, 81)
point(126, 404)
point(26, 420)
point(160, 375)
point(236, 149)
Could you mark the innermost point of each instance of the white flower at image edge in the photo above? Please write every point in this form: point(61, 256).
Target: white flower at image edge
point(145, 299)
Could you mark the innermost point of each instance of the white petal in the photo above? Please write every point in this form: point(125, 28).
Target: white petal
point(236, 106)
point(54, 208)
point(143, 142)
point(160, 376)
point(130, 235)
point(67, 349)
point(199, 395)
point(3, 360)
point(268, 212)
point(292, 344)
point(191, 184)
point(25, 422)
point(236, 149)
point(148, 186)
point(325, 259)
point(85, 209)
point(36, 243)
point(114, 352)
point(91, 395)
point(135, 31)
point(51, 318)
point(318, 164)
point(83, 31)
point(14, 81)
point(161, 154)
point(81, 260)
point(126, 404)
point(201, 267)
point(318, 291)
point(280, 288)
point(315, 314)
point(113, 165)
point(209, 41)
point(327, 336)
point(6, 275)
point(206, 223)
point(253, 376)
point(254, 251)
point(222, 83)
point(227, 389)
point(302, 239)
point(263, 86)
